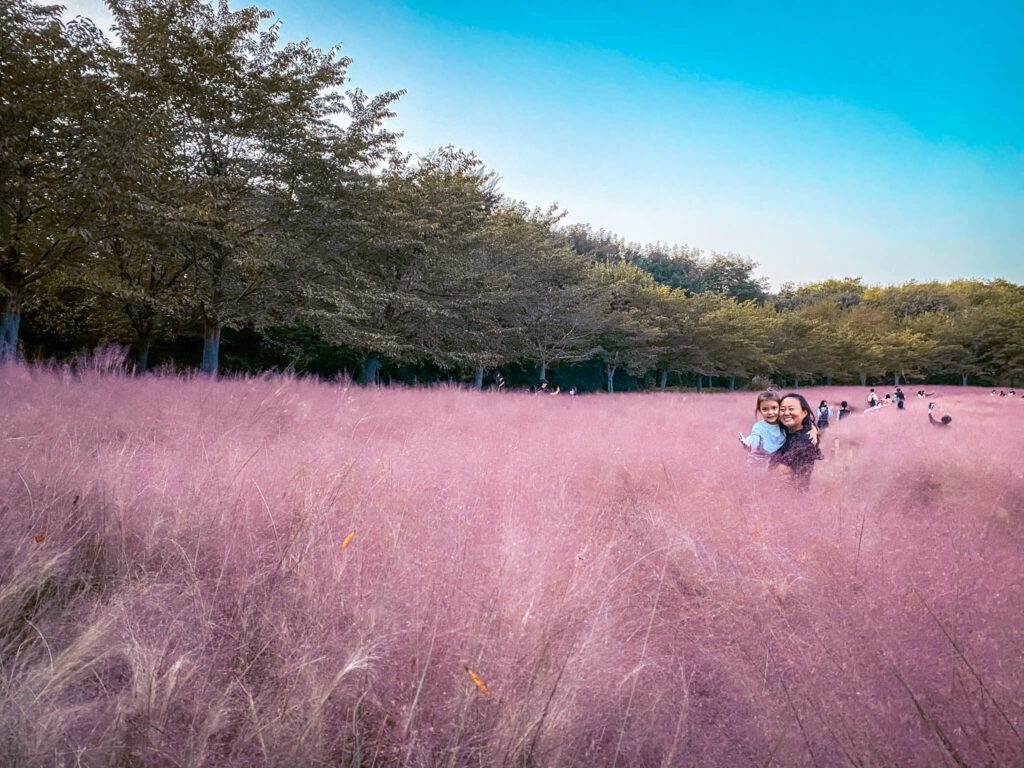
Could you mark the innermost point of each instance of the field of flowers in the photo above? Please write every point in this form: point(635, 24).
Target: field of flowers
point(283, 572)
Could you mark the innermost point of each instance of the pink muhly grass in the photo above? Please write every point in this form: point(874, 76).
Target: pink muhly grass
point(628, 590)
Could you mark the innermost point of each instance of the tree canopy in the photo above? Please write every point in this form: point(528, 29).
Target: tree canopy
point(201, 179)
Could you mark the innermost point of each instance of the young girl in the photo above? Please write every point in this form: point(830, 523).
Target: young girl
point(766, 436)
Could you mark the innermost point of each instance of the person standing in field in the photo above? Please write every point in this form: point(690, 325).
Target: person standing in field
point(795, 459)
point(844, 411)
point(766, 436)
point(823, 414)
point(872, 398)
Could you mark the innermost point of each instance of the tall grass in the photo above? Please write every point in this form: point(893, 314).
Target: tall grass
point(626, 589)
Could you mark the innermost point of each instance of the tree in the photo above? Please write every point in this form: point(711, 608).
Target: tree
point(556, 307)
point(601, 246)
point(631, 331)
point(139, 260)
point(744, 336)
point(727, 274)
point(54, 99)
point(843, 293)
point(237, 106)
point(681, 347)
point(481, 290)
point(959, 343)
point(401, 294)
point(912, 299)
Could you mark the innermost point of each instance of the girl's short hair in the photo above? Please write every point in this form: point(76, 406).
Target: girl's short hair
point(768, 396)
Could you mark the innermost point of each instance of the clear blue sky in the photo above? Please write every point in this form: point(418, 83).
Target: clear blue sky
point(882, 140)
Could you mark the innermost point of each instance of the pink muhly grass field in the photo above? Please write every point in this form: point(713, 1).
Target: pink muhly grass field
point(625, 587)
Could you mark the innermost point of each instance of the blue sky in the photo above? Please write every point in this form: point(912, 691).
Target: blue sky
point(881, 140)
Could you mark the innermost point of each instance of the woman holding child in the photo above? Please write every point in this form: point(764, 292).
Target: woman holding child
point(798, 453)
point(785, 436)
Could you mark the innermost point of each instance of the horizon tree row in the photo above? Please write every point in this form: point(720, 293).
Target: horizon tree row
point(199, 175)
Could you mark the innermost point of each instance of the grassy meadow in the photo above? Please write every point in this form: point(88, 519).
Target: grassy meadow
point(287, 572)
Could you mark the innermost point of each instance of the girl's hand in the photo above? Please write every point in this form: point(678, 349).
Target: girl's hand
point(813, 434)
point(743, 441)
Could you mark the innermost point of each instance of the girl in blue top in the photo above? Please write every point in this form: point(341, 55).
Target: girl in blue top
point(767, 435)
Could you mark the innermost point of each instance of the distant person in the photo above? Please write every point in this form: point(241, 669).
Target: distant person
point(844, 411)
point(798, 453)
point(767, 435)
point(573, 392)
point(1012, 393)
point(872, 398)
point(899, 399)
point(945, 421)
point(823, 414)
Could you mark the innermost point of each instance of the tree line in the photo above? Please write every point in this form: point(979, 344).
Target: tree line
point(199, 179)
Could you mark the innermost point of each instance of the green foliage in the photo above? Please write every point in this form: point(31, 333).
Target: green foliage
point(55, 149)
point(200, 175)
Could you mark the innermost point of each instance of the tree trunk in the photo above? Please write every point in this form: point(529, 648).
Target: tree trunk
point(663, 383)
point(828, 380)
point(211, 349)
point(610, 369)
point(369, 374)
point(478, 377)
point(544, 370)
point(732, 383)
point(796, 382)
point(700, 382)
point(10, 321)
point(896, 376)
point(963, 379)
point(142, 354)
point(863, 379)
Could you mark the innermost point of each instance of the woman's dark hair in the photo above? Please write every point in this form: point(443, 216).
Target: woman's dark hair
point(823, 403)
point(808, 421)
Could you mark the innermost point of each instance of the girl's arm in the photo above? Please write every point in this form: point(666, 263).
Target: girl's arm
point(752, 443)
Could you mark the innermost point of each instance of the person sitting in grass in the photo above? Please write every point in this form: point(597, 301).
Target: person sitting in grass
point(945, 421)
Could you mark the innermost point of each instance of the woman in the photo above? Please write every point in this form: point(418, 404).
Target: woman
point(797, 455)
point(823, 414)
